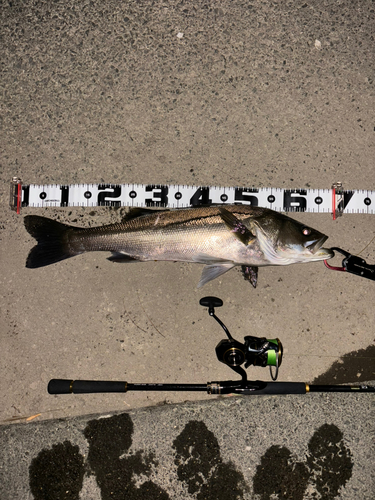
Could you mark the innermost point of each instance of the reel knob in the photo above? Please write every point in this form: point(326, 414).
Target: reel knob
point(211, 302)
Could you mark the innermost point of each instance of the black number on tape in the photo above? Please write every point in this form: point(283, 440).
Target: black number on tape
point(201, 197)
point(294, 199)
point(64, 201)
point(26, 194)
point(115, 192)
point(243, 195)
point(159, 196)
point(348, 195)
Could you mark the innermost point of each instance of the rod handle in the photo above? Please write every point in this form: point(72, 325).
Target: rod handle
point(283, 388)
point(66, 386)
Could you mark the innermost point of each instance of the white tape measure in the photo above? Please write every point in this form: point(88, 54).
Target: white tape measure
point(334, 200)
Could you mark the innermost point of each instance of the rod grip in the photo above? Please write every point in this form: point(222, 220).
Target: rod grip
point(284, 388)
point(66, 386)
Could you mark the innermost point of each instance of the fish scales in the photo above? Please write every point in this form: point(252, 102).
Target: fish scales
point(191, 232)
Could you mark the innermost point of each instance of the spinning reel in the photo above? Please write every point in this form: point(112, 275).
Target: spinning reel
point(254, 351)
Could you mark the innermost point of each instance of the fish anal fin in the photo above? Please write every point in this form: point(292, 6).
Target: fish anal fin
point(121, 257)
point(237, 227)
point(212, 271)
point(250, 273)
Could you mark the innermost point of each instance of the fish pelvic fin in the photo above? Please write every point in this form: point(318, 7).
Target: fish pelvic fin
point(250, 273)
point(237, 227)
point(52, 238)
point(212, 271)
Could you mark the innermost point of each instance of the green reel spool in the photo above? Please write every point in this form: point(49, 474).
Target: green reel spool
point(264, 352)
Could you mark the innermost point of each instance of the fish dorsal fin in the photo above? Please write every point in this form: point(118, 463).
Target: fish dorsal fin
point(237, 227)
point(250, 273)
point(136, 212)
point(212, 271)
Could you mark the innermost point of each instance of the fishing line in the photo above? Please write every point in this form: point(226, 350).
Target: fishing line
point(368, 244)
point(347, 355)
point(147, 316)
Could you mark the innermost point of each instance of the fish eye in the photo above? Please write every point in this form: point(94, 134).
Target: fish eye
point(306, 231)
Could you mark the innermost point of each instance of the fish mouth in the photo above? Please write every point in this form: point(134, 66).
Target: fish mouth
point(315, 245)
point(319, 252)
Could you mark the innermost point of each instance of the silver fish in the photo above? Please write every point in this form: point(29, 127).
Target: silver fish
point(219, 236)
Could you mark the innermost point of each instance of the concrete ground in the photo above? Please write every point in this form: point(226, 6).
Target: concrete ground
point(207, 93)
point(287, 447)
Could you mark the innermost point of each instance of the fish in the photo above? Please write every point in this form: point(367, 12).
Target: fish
point(219, 236)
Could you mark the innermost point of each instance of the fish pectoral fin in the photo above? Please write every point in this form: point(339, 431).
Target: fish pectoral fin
point(121, 257)
point(212, 271)
point(237, 227)
point(250, 273)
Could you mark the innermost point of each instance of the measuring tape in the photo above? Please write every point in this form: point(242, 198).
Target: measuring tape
point(334, 200)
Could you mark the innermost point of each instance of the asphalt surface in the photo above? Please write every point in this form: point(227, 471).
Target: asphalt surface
point(206, 93)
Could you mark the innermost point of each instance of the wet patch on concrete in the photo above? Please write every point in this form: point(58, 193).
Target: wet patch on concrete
point(327, 469)
point(329, 461)
point(280, 474)
point(109, 440)
point(356, 366)
point(201, 468)
point(57, 473)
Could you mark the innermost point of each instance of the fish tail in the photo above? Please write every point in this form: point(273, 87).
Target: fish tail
point(53, 241)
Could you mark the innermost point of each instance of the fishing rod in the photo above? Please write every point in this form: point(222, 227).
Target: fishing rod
point(256, 351)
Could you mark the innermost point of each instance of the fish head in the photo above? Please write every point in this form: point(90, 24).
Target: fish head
point(286, 241)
